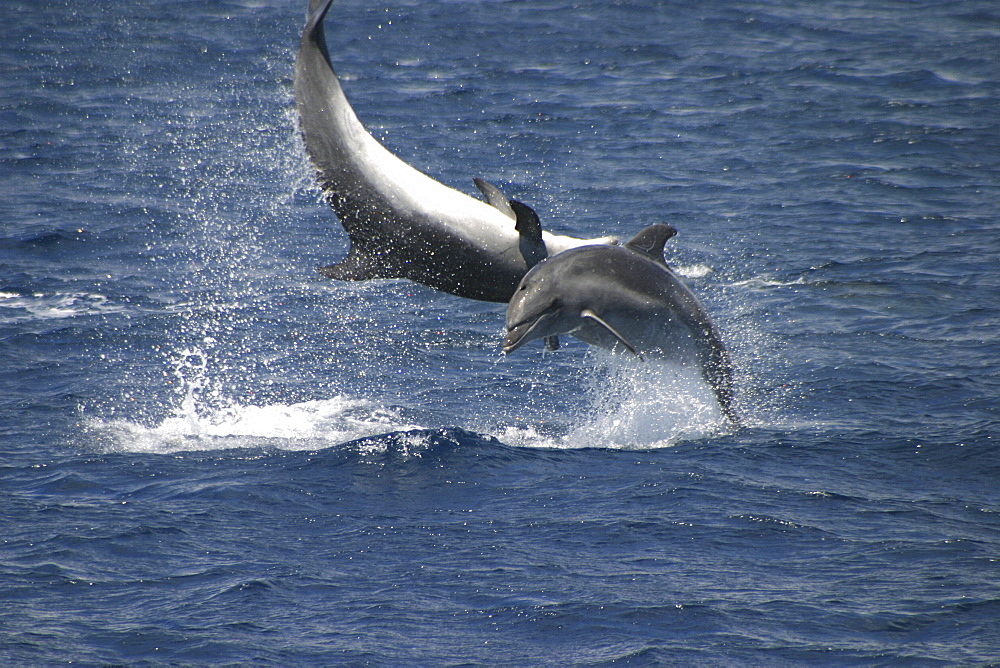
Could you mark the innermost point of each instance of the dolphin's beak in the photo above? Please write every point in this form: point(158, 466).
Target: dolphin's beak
point(517, 336)
point(520, 333)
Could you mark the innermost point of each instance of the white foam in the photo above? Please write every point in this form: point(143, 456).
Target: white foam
point(206, 420)
point(307, 425)
point(763, 282)
point(54, 306)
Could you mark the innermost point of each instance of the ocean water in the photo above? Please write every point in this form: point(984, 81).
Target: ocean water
point(210, 455)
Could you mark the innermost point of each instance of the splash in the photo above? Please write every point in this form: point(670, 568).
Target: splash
point(205, 419)
point(625, 404)
point(633, 405)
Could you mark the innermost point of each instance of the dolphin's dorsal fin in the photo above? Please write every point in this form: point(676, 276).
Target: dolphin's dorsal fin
point(587, 313)
point(650, 240)
point(495, 198)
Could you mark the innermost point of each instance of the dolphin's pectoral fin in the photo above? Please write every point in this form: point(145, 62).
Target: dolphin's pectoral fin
point(495, 198)
point(587, 313)
point(357, 266)
point(651, 240)
point(347, 271)
point(551, 342)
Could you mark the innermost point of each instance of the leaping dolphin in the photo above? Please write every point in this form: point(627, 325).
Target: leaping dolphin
point(402, 223)
point(626, 296)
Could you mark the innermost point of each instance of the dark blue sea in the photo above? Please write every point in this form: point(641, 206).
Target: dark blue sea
point(211, 455)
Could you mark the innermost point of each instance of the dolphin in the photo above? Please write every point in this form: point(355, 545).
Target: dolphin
point(622, 296)
point(402, 223)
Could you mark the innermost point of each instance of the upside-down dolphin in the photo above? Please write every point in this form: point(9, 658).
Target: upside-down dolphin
point(402, 223)
point(626, 296)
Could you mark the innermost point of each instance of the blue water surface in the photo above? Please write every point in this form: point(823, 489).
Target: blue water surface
point(208, 454)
